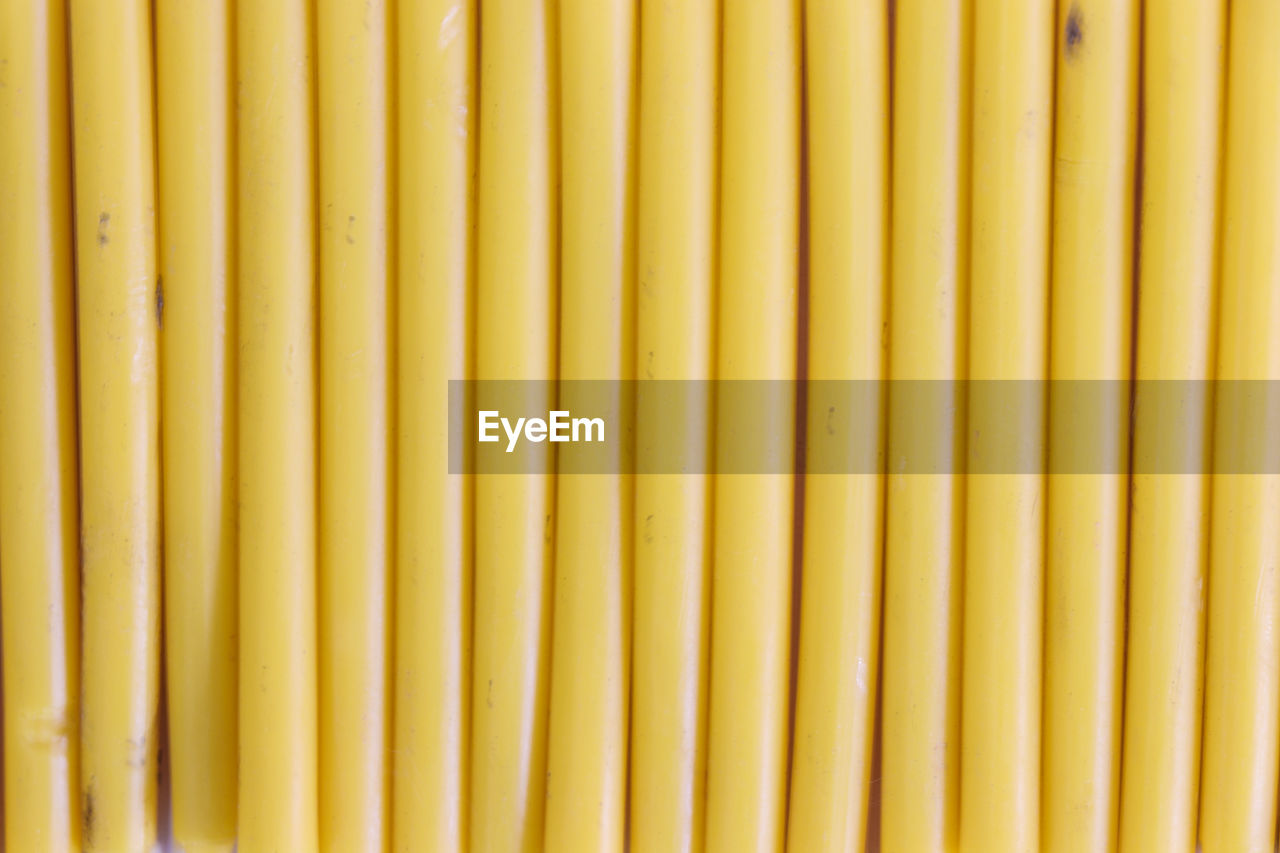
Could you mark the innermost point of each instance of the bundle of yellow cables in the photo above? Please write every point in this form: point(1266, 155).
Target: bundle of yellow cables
point(251, 251)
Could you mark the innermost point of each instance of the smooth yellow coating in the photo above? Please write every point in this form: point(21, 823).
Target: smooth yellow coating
point(675, 322)
point(277, 438)
point(39, 507)
point(1183, 58)
point(515, 340)
point(1242, 673)
point(924, 524)
point(1087, 532)
point(117, 315)
point(354, 606)
point(591, 643)
point(751, 587)
point(197, 398)
point(847, 69)
point(1008, 340)
point(435, 309)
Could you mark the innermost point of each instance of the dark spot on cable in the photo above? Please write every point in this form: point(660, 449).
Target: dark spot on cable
point(1074, 36)
point(88, 816)
point(104, 219)
point(159, 302)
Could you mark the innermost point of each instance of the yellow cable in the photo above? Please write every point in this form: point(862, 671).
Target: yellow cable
point(118, 311)
point(1008, 340)
point(1087, 532)
point(591, 645)
point(676, 246)
point(1183, 56)
point(924, 522)
point(515, 332)
point(39, 534)
point(435, 307)
point(197, 356)
point(1242, 674)
point(277, 438)
point(354, 583)
point(846, 64)
point(751, 590)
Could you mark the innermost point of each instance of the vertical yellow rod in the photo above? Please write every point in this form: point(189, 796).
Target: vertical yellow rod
point(924, 523)
point(1008, 340)
point(1091, 314)
point(118, 311)
point(1242, 674)
point(515, 331)
point(436, 55)
point(1087, 533)
point(353, 603)
point(197, 355)
point(751, 590)
point(39, 556)
point(675, 305)
point(847, 68)
point(591, 644)
point(1183, 57)
point(277, 439)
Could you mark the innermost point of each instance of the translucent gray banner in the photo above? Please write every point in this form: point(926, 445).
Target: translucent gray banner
point(865, 427)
